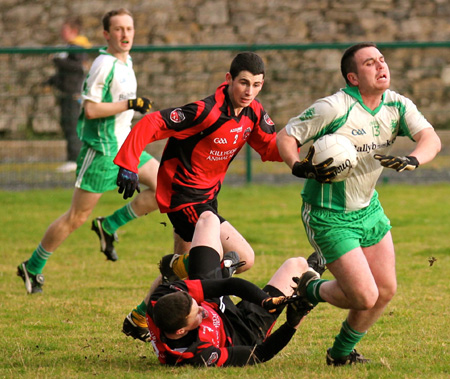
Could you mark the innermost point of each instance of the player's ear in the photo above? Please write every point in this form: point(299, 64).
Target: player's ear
point(228, 78)
point(353, 78)
point(180, 332)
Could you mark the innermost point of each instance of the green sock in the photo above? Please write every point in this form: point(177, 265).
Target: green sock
point(38, 260)
point(118, 219)
point(345, 341)
point(141, 309)
point(312, 291)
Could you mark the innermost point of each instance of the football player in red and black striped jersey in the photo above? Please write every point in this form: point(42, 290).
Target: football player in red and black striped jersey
point(203, 139)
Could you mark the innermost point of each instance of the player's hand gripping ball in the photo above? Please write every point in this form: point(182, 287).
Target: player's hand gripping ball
point(341, 149)
point(323, 172)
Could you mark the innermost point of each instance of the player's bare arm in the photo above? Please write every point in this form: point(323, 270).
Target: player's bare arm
point(427, 147)
point(288, 148)
point(94, 110)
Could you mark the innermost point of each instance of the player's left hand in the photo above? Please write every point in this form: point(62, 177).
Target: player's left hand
point(398, 163)
point(272, 304)
point(128, 182)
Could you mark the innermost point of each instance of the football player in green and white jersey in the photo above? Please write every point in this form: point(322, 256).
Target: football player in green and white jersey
point(344, 221)
point(109, 101)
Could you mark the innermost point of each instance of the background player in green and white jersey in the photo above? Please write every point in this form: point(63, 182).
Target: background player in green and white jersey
point(109, 102)
point(344, 221)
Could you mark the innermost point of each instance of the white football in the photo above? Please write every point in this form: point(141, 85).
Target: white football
point(339, 148)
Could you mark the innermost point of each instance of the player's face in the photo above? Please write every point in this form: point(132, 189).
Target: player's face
point(195, 317)
point(244, 88)
point(120, 35)
point(373, 72)
point(68, 33)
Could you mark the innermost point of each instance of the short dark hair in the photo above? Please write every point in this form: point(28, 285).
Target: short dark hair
point(348, 63)
point(115, 12)
point(170, 311)
point(247, 61)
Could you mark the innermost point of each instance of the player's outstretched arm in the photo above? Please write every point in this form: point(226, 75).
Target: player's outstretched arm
point(272, 345)
point(428, 146)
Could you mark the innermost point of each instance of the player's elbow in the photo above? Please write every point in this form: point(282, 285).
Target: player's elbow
point(438, 144)
point(434, 142)
point(89, 114)
point(90, 110)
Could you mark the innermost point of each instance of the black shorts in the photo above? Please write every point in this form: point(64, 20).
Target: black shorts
point(185, 219)
point(252, 323)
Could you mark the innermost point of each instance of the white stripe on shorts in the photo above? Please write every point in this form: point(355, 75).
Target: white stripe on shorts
point(310, 232)
point(89, 157)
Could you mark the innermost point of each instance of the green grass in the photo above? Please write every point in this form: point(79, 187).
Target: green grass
point(73, 329)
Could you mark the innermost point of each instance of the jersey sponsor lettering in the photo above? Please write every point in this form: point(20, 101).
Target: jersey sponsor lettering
point(218, 155)
point(368, 147)
point(126, 96)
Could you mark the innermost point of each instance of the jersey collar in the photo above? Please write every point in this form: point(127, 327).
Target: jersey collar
point(102, 51)
point(354, 92)
point(224, 88)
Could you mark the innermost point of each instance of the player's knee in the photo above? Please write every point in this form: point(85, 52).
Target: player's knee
point(297, 264)
point(76, 222)
point(387, 292)
point(365, 300)
point(208, 217)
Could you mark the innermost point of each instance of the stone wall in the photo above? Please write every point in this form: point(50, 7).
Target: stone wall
point(294, 78)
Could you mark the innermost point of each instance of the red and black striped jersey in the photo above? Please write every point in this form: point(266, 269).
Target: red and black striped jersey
point(226, 336)
point(209, 342)
point(203, 139)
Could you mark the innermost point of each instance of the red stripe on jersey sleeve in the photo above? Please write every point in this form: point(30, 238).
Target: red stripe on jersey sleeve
point(195, 289)
point(150, 128)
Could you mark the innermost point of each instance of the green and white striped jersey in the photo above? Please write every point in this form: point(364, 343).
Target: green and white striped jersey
point(370, 131)
point(109, 80)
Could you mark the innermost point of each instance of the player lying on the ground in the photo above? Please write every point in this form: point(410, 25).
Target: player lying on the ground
point(195, 322)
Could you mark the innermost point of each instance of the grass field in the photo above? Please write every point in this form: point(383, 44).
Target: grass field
point(73, 329)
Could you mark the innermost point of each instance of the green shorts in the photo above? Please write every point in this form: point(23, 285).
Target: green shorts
point(334, 233)
point(97, 172)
